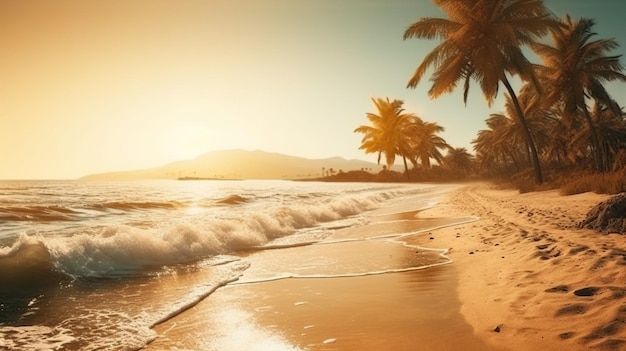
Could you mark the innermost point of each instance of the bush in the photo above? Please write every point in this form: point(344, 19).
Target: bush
point(525, 181)
point(569, 182)
point(601, 183)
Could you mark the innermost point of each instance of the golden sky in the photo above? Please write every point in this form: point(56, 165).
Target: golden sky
point(107, 85)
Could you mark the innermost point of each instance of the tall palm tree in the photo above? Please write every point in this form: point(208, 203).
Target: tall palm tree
point(538, 119)
point(388, 133)
point(425, 143)
point(482, 41)
point(576, 67)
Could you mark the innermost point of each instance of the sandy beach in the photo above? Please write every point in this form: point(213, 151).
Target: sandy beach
point(526, 270)
point(522, 277)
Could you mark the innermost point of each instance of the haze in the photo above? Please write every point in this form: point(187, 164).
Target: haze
point(96, 86)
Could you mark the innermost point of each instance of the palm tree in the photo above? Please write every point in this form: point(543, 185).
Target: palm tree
point(425, 143)
point(538, 119)
point(388, 133)
point(482, 40)
point(576, 68)
point(487, 158)
point(559, 138)
point(459, 160)
point(498, 147)
point(611, 129)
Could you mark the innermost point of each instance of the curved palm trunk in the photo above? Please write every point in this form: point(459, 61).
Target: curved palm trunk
point(527, 136)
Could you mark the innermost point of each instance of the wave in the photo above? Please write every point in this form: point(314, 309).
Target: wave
point(129, 206)
point(232, 200)
point(92, 322)
point(26, 265)
point(37, 213)
point(54, 213)
point(122, 250)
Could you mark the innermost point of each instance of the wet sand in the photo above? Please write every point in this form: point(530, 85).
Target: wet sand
point(351, 294)
point(522, 278)
point(397, 311)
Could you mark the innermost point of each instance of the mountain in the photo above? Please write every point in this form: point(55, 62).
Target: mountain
point(242, 164)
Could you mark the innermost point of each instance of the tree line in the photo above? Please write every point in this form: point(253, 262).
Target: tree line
point(562, 117)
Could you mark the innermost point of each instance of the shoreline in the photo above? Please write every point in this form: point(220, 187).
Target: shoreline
point(528, 277)
point(362, 297)
point(513, 284)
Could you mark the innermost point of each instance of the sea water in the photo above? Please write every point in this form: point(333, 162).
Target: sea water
point(88, 265)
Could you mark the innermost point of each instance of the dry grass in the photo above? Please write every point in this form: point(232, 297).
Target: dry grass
point(569, 182)
point(604, 183)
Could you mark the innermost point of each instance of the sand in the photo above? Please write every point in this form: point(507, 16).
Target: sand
point(522, 278)
point(528, 279)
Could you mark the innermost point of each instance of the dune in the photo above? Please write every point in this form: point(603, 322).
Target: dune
point(528, 278)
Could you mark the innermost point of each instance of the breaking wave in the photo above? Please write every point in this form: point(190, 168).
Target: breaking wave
point(123, 249)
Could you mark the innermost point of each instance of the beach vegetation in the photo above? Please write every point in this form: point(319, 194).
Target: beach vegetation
point(501, 149)
point(579, 130)
point(388, 132)
point(482, 41)
point(613, 182)
point(459, 161)
point(425, 143)
point(394, 132)
point(560, 127)
point(575, 68)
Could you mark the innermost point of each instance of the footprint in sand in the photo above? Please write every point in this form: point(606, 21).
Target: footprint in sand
point(570, 310)
point(558, 289)
point(588, 291)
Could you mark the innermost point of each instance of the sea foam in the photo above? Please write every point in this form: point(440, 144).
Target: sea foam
point(125, 249)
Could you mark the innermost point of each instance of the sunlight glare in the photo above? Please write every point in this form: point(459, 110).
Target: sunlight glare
point(194, 210)
point(186, 141)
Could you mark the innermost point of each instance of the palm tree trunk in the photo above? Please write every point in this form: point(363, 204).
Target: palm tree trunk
point(527, 135)
point(425, 160)
point(406, 169)
point(596, 152)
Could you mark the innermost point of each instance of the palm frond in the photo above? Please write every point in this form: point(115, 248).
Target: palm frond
point(431, 28)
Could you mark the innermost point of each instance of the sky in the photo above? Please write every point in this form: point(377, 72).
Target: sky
point(111, 85)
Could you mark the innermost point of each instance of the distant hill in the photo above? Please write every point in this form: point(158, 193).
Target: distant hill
point(242, 164)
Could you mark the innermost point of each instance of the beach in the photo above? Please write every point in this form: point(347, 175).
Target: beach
point(365, 287)
point(223, 265)
point(517, 281)
point(307, 266)
point(525, 270)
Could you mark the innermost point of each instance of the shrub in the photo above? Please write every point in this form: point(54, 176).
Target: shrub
point(601, 183)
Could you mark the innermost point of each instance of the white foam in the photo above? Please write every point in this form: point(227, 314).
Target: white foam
point(31, 338)
point(122, 249)
point(199, 293)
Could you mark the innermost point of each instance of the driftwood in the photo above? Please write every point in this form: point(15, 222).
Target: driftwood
point(608, 216)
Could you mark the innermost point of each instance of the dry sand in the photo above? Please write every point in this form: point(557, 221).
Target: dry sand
point(528, 279)
point(514, 284)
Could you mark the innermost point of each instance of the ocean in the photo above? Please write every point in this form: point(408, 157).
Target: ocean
point(95, 265)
